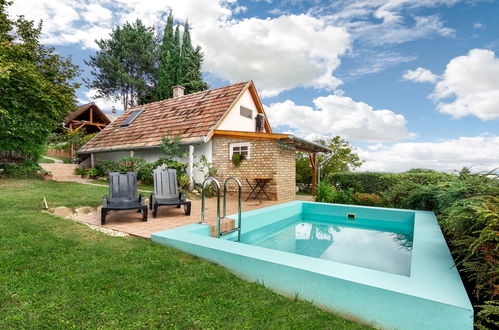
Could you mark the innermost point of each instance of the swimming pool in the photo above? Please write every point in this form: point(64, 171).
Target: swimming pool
point(386, 267)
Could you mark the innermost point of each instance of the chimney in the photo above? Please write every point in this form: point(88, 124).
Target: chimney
point(178, 91)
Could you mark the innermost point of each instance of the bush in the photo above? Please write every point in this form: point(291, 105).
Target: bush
point(362, 182)
point(377, 182)
point(366, 199)
point(143, 169)
point(472, 228)
point(26, 170)
point(329, 194)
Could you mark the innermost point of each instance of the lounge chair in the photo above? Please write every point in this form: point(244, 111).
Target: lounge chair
point(123, 195)
point(166, 191)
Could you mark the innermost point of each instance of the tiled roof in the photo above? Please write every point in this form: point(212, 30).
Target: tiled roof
point(82, 108)
point(190, 116)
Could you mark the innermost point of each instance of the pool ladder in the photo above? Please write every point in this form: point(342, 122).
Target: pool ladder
point(217, 183)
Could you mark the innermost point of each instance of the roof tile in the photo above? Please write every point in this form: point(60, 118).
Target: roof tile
point(192, 116)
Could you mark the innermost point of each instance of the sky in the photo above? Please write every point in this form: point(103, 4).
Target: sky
point(411, 84)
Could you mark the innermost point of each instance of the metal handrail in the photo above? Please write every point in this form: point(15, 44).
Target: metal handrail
point(218, 200)
point(238, 206)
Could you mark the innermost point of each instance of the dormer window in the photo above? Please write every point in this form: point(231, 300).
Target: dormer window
point(246, 112)
point(131, 117)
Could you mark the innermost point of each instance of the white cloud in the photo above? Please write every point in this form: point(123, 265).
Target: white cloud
point(102, 103)
point(478, 25)
point(480, 153)
point(388, 21)
point(340, 115)
point(370, 61)
point(472, 81)
point(279, 54)
point(420, 75)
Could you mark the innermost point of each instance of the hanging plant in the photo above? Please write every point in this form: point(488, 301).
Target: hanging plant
point(237, 159)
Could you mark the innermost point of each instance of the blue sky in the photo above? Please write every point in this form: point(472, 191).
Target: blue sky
point(408, 83)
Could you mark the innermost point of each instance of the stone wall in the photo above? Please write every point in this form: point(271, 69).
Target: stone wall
point(267, 159)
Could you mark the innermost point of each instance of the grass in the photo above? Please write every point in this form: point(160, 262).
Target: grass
point(45, 160)
point(57, 273)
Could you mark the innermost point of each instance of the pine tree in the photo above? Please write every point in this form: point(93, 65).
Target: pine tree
point(124, 67)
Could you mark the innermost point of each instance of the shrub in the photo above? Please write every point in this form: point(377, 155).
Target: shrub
point(472, 228)
point(143, 169)
point(26, 170)
point(362, 182)
point(329, 194)
point(366, 199)
point(79, 171)
point(325, 192)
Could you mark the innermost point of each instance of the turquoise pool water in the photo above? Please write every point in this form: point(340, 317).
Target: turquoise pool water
point(381, 250)
point(388, 268)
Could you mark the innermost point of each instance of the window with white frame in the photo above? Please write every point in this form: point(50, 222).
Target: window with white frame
point(242, 148)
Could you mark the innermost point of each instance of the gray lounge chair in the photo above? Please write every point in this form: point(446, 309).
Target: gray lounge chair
point(123, 195)
point(166, 191)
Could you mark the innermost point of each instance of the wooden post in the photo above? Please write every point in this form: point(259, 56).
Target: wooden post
point(313, 163)
point(191, 167)
point(132, 153)
point(92, 160)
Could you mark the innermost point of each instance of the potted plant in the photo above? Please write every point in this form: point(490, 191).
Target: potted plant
point(92, 173)
point(237, 159)
point(86, 173)
point(47, 175)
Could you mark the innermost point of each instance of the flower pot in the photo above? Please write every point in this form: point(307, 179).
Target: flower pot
point(85, 176)
point(48, 177)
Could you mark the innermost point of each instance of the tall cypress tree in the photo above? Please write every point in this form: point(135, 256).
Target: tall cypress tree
point(165, 83)
point(190, 65)
point(179, 62)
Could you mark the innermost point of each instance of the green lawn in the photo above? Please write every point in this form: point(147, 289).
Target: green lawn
point(45, 160)
point(56, 273)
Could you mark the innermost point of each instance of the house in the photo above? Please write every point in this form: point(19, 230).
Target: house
point(216, 123)
point(88, 116)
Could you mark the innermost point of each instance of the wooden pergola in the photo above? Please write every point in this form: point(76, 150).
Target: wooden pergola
point(312, 149)
point(87, 116)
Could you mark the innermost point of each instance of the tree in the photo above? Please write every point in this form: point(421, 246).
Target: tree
point(166, 66)
point(37, 89)
point(179, 62)
point(341, 159)
point(190, 76)
point(124, 67)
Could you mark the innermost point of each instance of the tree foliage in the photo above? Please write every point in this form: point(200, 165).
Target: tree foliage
point(124, 67)
point(342, 158)
point(179, 62)
point(135, 66)
point(37, 89)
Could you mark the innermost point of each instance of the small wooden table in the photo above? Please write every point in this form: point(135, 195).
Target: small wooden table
point(258, 188)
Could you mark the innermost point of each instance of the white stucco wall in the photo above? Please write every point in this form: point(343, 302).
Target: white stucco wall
point(152, 155)
point(235, 122)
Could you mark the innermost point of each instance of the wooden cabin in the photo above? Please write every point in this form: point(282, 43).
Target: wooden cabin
point(87, 116)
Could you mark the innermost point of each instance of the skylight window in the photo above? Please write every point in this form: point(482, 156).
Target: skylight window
point(131, 117)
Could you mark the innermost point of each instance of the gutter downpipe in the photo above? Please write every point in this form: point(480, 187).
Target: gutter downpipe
point(319, 168)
